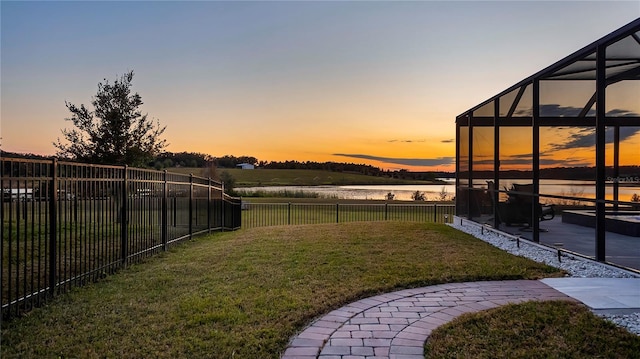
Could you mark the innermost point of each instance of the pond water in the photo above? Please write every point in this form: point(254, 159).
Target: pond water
point(447, 189)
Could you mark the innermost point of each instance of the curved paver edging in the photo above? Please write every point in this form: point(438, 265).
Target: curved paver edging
point(396, 325)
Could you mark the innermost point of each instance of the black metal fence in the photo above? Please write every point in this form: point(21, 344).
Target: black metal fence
point(65, 224)
point(275, 214)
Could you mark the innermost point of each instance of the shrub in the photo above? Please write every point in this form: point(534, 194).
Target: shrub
point(418, 196)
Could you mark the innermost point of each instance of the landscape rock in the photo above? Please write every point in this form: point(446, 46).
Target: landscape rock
point(575, 266)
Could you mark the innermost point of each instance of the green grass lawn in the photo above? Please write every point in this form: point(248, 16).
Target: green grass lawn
point(553, 329)
point(244, 294)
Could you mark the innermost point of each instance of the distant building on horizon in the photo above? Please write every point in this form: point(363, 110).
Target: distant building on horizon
point(246, 166)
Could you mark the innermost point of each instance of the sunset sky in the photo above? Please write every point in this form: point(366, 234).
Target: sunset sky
point(367, 82)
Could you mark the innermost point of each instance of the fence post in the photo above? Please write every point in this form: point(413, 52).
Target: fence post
point(386, 211)
point(2, 235)
point(124, 217)
point(191, 206)
point(165, 214)
point(337, 212)
point(2, 199)
point(289, 213)
point(209, 204)
point(435, 213)
point(175, 211)
point(53, 225)
point(222, 209)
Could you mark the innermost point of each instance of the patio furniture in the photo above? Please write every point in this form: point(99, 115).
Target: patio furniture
point(517, 209)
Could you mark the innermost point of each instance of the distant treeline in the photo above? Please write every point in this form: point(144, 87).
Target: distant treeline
point(356, 168)
point(201, 160)
point(192, 159)
point(566, 173)
point(31, 156)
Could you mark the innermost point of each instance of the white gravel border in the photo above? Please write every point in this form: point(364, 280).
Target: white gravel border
point(576, 266)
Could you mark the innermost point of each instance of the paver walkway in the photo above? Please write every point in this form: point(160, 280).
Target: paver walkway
point(396, 325)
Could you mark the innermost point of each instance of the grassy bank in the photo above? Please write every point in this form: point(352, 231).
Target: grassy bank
point(272, 177)
point(243, 294)
point(260, 193)
point(554, 329)
point(283, 211)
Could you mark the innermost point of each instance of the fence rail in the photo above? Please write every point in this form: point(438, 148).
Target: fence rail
point(276, 214)
point(65, 224)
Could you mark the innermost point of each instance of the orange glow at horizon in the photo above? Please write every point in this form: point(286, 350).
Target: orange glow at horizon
point(559, 147)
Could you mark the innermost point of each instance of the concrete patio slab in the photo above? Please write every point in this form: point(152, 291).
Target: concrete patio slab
point(615, 295)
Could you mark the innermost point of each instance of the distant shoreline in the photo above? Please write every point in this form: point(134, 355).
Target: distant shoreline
point(303, 177)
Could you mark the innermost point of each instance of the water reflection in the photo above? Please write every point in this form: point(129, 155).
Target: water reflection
point(434, 192)
point(366, 192)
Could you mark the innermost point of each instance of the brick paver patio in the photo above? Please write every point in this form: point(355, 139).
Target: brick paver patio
point(396, 325)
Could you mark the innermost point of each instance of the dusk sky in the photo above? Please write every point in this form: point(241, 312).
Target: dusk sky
point(367, 82)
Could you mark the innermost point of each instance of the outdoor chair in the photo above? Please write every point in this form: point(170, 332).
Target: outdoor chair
point(517, 209)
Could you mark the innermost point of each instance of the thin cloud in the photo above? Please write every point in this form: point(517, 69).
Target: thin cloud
point(407, 141)
point(450, 140)
point(586, 138)
point(622, 113)
point(545, 162)
point(556, 110)
point(440, 161)
point(525, 159)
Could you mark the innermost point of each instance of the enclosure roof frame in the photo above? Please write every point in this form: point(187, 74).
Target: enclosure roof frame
point(632, 30)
